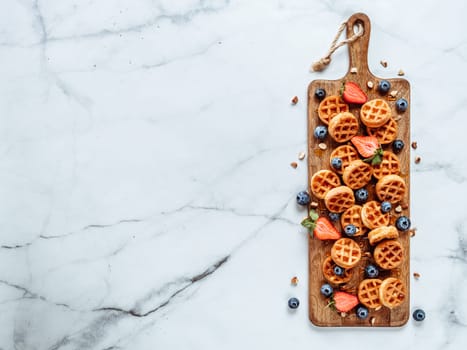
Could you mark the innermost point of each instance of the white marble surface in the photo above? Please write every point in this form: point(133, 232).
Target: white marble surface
point(146, 197)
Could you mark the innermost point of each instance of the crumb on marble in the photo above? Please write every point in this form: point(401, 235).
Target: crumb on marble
point(416, 275)
point(294, 280)
point(400, 72)
point(294, 100)
point(414, 145)
point(294, 165)
point(418, 159)
point(301, 155)
point(384, 63)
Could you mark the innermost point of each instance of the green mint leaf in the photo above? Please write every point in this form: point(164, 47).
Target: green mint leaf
point(376, 160)
point(307, 223)
point(314, 215)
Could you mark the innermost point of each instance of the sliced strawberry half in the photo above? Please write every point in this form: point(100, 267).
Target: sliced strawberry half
point(369, 148)
point(324, 230)
point(344, 302)
point(352, 93)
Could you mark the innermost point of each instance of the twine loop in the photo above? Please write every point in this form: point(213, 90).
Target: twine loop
point(326, 59)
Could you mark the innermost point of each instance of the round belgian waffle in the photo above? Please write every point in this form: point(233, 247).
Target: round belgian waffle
point(389, 165)
point(388, 254)
point(347, 154)
point(331, 277)
point(323, 181)
point(386, 133)
point(392, 292)
point(375, 113)
point(346, 253)
point(343, 126)
point(331, 106)
point(357, 174)
point(353, 216)
point(372, 216)
point(368, 292)
point(339, 199)
point(383, 232)
point(391, 188)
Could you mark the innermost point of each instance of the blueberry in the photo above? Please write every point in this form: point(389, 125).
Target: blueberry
point(320, 93)
point(293, 303)
point(386, 207)
point(350, 230)
point(336, 163)
point(303, 198)
point(401, 104)
point(418, 315)
point(361, 195)
point(403, 223)
point(321, 132)
point(338, 271)
point(326, 290)
point(334, 216)
point(384, 86)
point(371, 271)
point(362, 312)
point(397, 146)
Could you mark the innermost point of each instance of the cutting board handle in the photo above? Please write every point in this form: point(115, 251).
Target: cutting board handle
point(358, 49)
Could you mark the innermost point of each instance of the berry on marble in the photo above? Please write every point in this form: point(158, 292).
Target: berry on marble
point(303, 198)
point(418, 315)
point(293, 303)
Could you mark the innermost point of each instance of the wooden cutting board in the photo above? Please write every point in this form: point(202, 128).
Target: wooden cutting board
point(318, 159)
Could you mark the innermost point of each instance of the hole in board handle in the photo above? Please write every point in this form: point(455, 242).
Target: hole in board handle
point(357, 27)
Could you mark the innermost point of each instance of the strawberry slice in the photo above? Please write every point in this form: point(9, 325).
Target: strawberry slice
point(344, 302)
point(369, 148)
point(351, 93)
point(320, 226)
point(324, 230)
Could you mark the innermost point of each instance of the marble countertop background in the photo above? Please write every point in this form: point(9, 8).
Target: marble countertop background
point(146, 196)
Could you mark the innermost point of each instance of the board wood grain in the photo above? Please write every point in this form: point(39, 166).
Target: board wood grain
point(318, 159)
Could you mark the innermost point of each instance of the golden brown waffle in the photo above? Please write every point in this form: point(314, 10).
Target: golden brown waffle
point(383, 232)
point(368, 292)
point(388, 254)
point(391, 188)
point(331, 106)
point(331, 277)
point(347, 154)
point(375, 113)
point(343, 126)
point(353, 216)
point(389, 165)
point(339, 199)
point(357, 174)
point(386, 133)
point(392, 292)
point(346, 253)
point(323, 181)
point(372, 216)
